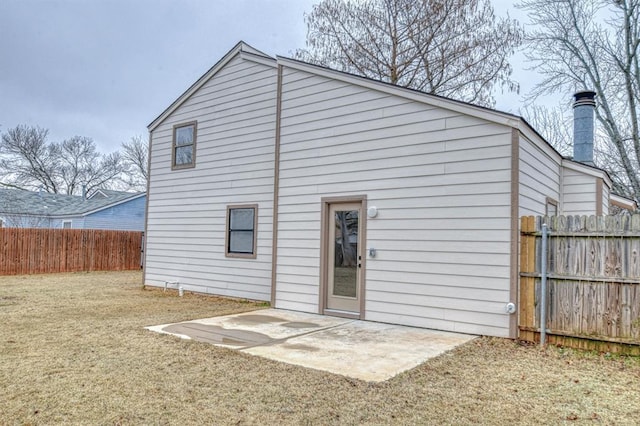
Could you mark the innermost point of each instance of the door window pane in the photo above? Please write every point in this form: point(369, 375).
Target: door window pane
point(345, 272)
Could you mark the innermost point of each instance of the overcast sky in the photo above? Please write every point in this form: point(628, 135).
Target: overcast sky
point(106, 68)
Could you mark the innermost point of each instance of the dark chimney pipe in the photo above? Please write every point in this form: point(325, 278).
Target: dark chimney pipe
point(583, 122)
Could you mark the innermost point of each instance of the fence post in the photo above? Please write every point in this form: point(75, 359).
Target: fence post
point(543, 287)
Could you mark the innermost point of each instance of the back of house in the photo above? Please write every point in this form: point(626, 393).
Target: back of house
point(324, 192)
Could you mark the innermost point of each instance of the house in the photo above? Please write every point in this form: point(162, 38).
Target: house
point(104, 209)
point(265, 168)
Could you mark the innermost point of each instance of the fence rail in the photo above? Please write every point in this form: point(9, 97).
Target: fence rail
point(593, 281)
point(33, 251)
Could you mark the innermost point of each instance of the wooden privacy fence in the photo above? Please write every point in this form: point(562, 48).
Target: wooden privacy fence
point(593, 282)
point(34, 251)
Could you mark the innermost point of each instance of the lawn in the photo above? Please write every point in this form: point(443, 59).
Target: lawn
point(73, 350)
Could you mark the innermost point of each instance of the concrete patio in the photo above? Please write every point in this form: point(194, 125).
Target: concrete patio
point(363, 350)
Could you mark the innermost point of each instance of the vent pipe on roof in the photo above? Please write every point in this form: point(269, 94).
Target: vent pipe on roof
point(584, 108)
point(84, 192)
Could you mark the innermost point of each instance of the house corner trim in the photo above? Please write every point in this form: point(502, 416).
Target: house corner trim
point(276, 186)
point(146, 215)
point(515, 222)
point(599, 206)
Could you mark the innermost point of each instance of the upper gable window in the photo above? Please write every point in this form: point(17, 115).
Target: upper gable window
point(183, 151)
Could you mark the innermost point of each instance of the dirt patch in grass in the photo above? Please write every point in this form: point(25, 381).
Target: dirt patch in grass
point(73, 350)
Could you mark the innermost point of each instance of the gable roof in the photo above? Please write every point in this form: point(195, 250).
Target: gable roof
point(29, 203)
point(240, 48)
point(488, 114)
point(106, 193)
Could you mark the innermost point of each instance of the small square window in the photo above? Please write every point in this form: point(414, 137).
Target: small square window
point(242, 224)
point(66, 224)
point(183, 150)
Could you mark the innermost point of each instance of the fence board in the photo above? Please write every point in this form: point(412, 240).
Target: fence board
point(527, 264)
point(593, 281)
point(32, 251)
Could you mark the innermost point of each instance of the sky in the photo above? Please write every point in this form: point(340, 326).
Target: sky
point(106, 68)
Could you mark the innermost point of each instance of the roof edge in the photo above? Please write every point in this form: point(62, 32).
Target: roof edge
point(585, 168)
point(489, 114)
point(485, 113)
point(529, 131)
point(117, 203)
point(623, 201)
point(240, 47)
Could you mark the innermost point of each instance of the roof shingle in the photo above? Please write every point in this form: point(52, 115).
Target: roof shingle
point(19, 202)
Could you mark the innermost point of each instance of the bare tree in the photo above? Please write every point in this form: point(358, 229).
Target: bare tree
point(82, 165)
point(135, 154)
point(104, 173)
point(30, 162)
point(27, 160)
point(554, 124)
point(452, 48)
point(591, 44)
point(23, 221)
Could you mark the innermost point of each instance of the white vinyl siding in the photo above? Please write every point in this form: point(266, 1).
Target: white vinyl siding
point(438, 172)
point(440, 181)
point(579, 193)
point(235, 111)
point(539, 177)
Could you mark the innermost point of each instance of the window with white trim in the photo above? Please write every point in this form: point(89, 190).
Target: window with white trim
point(66, 224)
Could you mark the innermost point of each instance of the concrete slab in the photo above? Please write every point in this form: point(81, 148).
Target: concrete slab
point(360, 349)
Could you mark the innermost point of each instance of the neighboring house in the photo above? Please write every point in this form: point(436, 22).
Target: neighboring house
point(264, 167)
point(104, 209)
